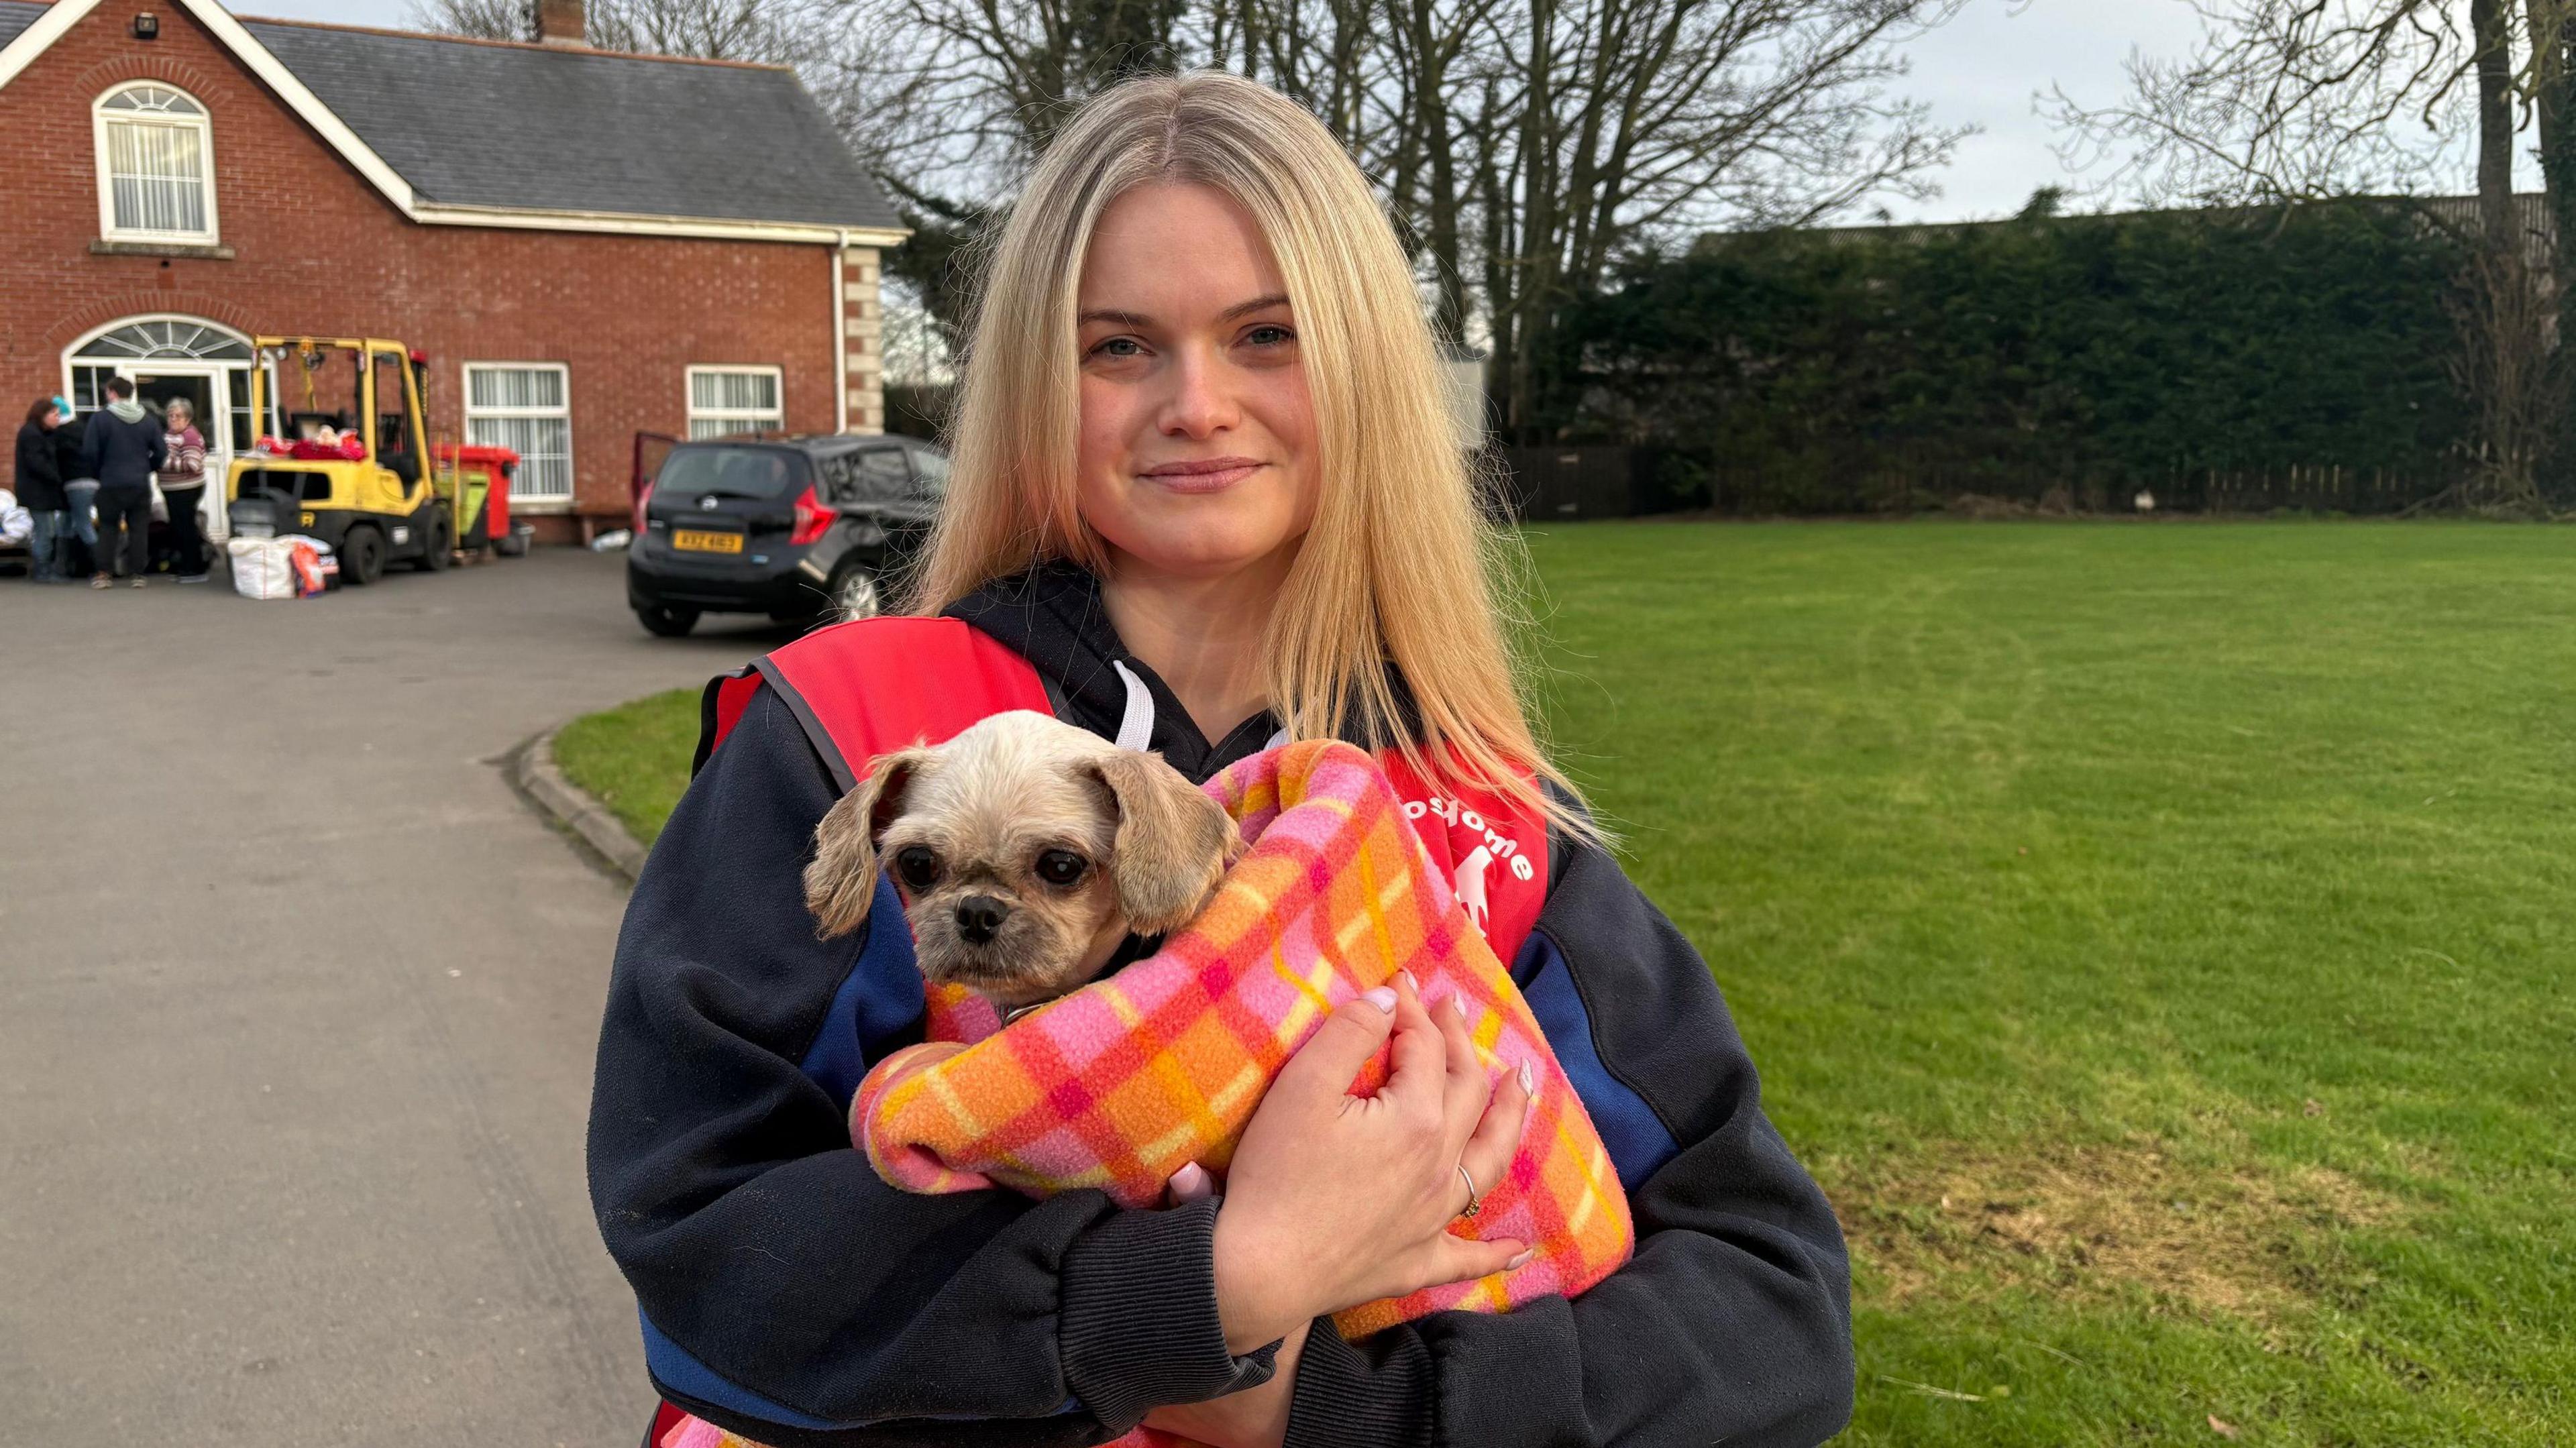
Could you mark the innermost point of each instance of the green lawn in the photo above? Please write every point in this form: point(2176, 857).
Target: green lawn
point(2157, 938)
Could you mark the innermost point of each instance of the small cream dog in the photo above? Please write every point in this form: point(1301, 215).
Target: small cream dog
point(1027, 850)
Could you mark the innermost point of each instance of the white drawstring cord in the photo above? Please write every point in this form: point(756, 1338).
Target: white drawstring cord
point(1136, 726)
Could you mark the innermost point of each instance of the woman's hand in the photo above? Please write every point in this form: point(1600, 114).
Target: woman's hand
point(1335, 1200)
point(1253, 1418)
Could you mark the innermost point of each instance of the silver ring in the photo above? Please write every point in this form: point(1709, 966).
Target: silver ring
point(1474, 1200)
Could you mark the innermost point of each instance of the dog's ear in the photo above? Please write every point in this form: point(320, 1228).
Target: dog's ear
point(1173, 841)
point(843, 878)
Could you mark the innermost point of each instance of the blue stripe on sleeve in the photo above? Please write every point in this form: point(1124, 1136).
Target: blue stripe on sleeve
point(877, 1008)
point(674, 1367)
point(1635, 1136)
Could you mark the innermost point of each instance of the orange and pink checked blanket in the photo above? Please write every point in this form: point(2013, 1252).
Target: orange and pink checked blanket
point(1119, 1084)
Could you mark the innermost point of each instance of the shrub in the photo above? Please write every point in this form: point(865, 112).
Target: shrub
point(2204, 356)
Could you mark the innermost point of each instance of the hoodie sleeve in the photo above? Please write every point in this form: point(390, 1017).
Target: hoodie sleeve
point(1732, 1324)
point(787, 1293)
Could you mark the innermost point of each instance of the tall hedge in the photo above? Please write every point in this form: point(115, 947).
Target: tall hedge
point(2177, 351)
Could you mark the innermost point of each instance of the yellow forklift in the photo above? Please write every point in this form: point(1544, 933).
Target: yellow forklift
point(343, 455)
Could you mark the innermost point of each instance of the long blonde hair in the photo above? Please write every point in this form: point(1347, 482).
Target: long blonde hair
point(1397, 567)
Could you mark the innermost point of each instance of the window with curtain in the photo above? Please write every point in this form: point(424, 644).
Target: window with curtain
point(155, 165)
point(527, 408)
point(725, 400)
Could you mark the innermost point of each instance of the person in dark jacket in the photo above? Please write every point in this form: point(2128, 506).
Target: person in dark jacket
point(39, 485)
point(1209, 552)
point(122, 448)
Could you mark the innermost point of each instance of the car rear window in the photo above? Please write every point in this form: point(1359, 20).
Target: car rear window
point(731, 472)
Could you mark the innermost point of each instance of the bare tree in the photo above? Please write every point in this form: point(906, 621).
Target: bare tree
point(2550, 85)
point(2286, 99)
point(481, 19)
point(2507, 368)
point(1522, 146)
point(1435, 65)
point(1641, 120)
point(776, 32)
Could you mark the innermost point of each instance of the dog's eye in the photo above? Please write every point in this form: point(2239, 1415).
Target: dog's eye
point(1061, 868)
point(918, 867)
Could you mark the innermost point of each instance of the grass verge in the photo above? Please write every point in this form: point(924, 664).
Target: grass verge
point(634, 758)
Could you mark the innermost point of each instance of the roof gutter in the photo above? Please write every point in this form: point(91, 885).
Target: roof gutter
point(622, 223)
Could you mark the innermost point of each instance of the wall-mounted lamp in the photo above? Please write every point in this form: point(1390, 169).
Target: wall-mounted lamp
point(147, 26)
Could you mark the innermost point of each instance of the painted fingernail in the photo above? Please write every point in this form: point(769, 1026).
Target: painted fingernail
point(1409, 982)
point(1458, 1007)
point(1520, 1261)
point(1529, 1083)
point(1383, 998)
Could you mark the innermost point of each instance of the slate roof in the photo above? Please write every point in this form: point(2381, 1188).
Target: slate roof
point(16, 15)
point(552, 129)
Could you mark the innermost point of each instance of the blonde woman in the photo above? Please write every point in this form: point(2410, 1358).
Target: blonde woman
point(1205, 492)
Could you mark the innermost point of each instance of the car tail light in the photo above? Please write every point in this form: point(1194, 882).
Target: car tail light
point(643, 500)
point(813, 520)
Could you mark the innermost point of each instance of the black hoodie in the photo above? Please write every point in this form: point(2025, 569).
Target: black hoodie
point(39, 470)
point(790, 1295)
point(122, 455)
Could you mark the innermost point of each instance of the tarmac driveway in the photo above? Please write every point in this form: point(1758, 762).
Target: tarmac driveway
point(297, 1008)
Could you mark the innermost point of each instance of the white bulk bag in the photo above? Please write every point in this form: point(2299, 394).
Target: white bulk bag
point(263, 567)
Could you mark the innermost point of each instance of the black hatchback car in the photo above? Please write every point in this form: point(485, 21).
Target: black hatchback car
point(798, 528)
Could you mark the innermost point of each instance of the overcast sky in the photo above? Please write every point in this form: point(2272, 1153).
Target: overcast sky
point(1982, 69)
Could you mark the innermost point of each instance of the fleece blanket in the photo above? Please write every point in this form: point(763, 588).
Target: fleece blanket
point(1119, 1084)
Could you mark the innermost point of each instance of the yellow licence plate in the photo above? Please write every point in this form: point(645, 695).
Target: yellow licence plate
point(697, 540)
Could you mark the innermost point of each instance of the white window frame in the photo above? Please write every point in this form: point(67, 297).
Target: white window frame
point(776, 419)
point(525, 502)
point(203, 123)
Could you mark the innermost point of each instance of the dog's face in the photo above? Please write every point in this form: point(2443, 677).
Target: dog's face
point(1025, 850)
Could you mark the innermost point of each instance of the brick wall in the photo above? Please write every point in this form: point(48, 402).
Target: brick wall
point(317, 250)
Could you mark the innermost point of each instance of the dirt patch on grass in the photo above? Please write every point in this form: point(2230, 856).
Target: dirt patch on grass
point(2240, 1242)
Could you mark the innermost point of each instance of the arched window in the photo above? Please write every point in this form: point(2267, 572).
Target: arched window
point(156, 171)
point(178, 337)
point(166, 349)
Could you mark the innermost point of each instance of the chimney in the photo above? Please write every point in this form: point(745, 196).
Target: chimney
point(559, 23)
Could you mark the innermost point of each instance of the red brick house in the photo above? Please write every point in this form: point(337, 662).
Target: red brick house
point(587, 245)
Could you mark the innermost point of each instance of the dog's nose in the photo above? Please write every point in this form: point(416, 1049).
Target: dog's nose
point(978, 916)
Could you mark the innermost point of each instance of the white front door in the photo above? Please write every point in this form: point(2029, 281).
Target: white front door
point(210, 387)
point(207, 362)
